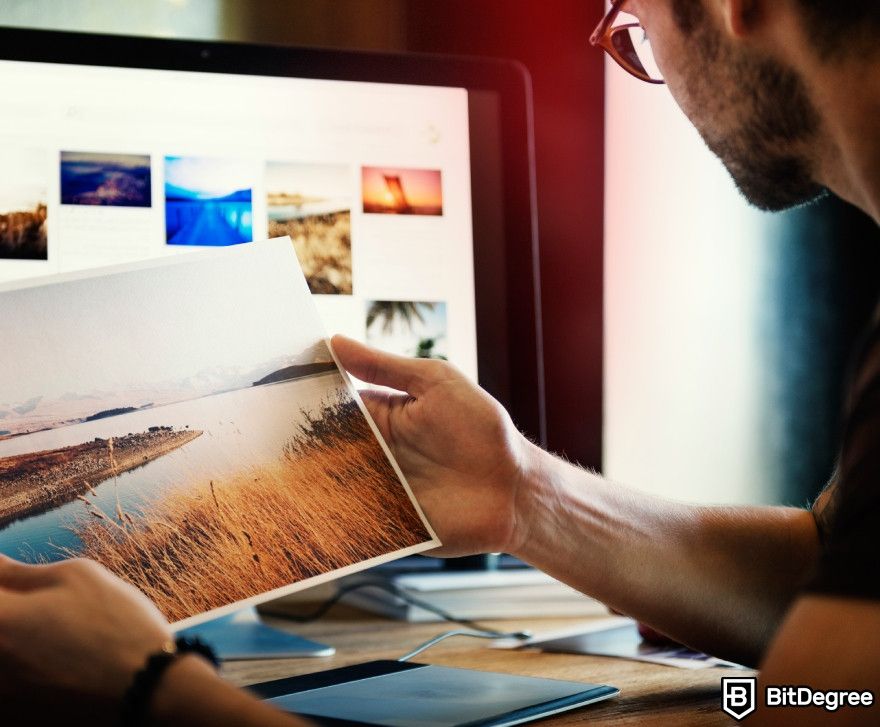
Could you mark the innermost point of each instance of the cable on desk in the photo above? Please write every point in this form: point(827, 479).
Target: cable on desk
point(384, 585)
point(520, 635)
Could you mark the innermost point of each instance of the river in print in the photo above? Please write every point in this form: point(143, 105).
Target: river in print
point(249, 425)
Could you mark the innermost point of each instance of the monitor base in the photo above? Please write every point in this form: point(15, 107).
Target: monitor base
point(243, 635)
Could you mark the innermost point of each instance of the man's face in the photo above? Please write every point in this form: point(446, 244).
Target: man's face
point(753, 112)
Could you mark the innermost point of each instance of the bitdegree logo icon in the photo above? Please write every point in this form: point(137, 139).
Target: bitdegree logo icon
point(738, 696)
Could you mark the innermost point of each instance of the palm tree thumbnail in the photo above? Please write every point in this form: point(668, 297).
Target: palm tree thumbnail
point(389, 312)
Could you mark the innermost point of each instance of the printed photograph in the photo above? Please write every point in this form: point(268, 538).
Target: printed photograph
point(111, 180)
point(24, 198)
point(207, 456)
point(407, 328)
point(208, 201)
point(312, 204)
point(393, 191)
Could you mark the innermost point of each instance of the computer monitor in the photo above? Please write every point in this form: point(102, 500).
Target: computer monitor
point(406, 182)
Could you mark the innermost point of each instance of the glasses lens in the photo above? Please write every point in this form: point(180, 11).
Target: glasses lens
point(634, 48)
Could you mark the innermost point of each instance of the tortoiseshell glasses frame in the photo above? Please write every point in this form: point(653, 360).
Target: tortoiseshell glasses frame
point(618, 43)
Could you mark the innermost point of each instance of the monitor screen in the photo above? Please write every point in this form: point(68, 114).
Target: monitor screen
point(372, 182)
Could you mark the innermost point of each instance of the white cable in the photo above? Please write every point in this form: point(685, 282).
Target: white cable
point(521, 635)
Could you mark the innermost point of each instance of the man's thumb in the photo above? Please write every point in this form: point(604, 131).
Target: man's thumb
point(380, 368)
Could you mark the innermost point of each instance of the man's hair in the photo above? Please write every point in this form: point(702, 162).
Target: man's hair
point(839, 27)
point(836, 27)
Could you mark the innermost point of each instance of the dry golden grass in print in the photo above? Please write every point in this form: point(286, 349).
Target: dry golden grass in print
point(332, 500)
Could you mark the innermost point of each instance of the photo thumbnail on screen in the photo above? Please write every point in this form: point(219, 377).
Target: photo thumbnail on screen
point(208, 201)
point(408, 328)
point(24, 198)
point(311, 203)
point(395, 191)
point(112, 180)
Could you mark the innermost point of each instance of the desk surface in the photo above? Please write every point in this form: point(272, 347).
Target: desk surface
point(650, 694)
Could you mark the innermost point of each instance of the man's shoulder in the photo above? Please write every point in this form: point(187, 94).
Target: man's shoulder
point(848, 510)
point(830, 643)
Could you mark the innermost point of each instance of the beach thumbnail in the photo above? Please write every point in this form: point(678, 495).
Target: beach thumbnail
point(388, 190)
point(23, 204)
point(312, 204)
point(199, 441)
point(208, 201)
point(113, 180)
point(408, 328)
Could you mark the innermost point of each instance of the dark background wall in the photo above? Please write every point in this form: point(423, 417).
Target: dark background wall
point(551, 40)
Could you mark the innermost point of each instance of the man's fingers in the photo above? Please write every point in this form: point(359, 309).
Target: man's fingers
point(380, 368)
point(15, 576)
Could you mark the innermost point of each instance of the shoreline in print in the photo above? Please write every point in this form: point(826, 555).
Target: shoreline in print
point(34, 482)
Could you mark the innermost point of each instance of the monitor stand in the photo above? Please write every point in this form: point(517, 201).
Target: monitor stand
point(481, 588)
point(243, 635)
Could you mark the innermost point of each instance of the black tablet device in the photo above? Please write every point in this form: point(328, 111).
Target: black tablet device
point(406, 694)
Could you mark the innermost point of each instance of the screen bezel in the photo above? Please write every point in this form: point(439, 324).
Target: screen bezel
point(515, 374)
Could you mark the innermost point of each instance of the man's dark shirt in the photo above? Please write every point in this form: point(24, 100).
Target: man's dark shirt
point(848, 511)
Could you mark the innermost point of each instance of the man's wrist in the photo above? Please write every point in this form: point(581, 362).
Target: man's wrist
point(176, 692)
point(536, 498)
point(193, 694)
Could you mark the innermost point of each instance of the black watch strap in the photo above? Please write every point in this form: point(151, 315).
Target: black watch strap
point(137, 698)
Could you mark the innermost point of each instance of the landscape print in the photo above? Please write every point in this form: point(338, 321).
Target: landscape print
point(408, 328)
point(208, 454)
point(23, 204)
point(312, 204)
point(208, 201)
point(395, 191)
point(111, 180)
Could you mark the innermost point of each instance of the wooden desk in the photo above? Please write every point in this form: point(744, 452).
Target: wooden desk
point(649, 694)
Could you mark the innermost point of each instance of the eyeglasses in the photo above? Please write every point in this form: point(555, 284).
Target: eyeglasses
point(628, 45)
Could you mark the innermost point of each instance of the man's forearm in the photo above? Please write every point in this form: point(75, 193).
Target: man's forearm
point(717, 579)
point(192, 695)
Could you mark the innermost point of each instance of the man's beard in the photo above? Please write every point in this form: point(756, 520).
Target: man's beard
point(759, 154)
point(765, 150)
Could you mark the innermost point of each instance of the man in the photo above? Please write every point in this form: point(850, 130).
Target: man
point(787, 94)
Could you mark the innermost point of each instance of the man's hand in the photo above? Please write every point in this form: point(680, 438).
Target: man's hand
point(715, 578)
point(73, 629)
point(457, 446)
point(72, 637)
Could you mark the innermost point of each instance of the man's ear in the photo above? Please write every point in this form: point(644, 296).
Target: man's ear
point(742, 17)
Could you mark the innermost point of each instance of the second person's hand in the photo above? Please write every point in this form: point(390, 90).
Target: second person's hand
point(457, 446)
